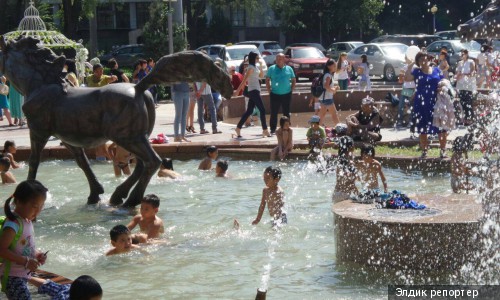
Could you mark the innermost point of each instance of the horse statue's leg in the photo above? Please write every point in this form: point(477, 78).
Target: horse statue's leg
point(121, 192)
point(37, 145)
point(81, 159)
point(149, 165)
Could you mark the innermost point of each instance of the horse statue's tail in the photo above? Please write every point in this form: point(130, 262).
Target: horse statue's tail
point(188, 66)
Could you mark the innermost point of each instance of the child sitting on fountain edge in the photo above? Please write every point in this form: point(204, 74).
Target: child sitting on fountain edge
point(371, 169)
point(121, 239)
point(274, 196)
point(151, 226)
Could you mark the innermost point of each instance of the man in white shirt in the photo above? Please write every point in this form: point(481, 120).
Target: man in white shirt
point(204, 96)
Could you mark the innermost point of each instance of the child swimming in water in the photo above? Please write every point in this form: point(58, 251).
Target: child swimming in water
point(7, 176)
point(273, 196)
point(167, 169)
point(150, 224)
point(206, 164)
point(121, 240)
point(221, 168)
point(347, 174)
point(371, 169)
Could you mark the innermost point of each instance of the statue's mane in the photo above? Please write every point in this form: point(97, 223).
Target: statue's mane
point(42, 59)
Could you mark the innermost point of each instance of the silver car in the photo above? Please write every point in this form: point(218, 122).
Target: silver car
point(386, 59)
point(335, 49)
point(268, 49)
point(453, 47)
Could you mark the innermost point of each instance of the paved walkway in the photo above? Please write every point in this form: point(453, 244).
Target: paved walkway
point(164, 124)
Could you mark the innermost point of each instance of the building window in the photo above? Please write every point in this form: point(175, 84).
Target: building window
point(105, 17)
point(122, 12)
point(142, 13)
point(238, 17)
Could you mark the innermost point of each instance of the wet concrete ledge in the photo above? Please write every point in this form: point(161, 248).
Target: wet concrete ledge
point(396, 239)
point(253, 151)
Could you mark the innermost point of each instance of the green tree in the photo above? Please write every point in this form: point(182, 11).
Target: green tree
point(155, 32)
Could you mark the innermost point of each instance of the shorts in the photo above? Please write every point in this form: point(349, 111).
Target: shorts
point(317, 105)
point(326, 102)
point(100, 158)
point(280, 221)
point(17, 288)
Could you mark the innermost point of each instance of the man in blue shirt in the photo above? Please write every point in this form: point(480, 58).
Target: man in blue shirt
point(280, 82)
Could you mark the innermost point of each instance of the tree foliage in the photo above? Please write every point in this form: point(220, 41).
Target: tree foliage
point(155, 32)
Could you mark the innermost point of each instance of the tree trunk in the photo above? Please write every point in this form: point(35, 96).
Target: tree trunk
point(71, 9)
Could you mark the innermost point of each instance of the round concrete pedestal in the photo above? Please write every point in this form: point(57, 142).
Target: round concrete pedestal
point(437, 238)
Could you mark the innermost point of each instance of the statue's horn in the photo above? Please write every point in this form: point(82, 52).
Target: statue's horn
point(3, 45)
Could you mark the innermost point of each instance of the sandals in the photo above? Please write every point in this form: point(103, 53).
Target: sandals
point(238, 132)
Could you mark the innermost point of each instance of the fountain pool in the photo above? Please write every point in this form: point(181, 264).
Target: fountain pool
point(204, 256)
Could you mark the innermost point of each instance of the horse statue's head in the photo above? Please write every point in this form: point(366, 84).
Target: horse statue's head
point(29, 65)
point(485, 25)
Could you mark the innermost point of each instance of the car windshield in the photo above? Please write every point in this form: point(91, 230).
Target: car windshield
point(471, 46)
point(307, 53)
point(272, 46)
point(394, 49)
point(238, 53)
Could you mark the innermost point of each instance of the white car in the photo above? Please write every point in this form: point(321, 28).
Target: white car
point(234, 55)
point(385, 59)
point(268, 49)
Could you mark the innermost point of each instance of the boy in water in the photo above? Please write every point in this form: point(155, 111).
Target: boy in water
point(121, 239)
point(273, 195)
point(206, 164)
point(7, 176)
point(167, 169)
point(221, 168)
point(316, 134)
point(371, 169)
point(150, 224)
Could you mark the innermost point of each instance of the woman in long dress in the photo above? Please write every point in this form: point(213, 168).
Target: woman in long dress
point(16, 104)
point(426, 79)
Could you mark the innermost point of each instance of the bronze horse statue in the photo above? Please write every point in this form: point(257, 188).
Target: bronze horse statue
point(484, 25)
point(87, 117)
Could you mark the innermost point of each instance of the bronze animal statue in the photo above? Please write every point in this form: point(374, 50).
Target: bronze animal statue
point(87, 117)
point(484, 25)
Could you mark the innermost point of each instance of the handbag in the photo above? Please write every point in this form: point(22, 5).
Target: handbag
point(4, 89)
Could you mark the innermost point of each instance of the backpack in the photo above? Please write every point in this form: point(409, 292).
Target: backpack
point(317, 88)
point(12, 245)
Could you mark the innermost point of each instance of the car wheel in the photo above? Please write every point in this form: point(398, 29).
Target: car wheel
point(389, 73)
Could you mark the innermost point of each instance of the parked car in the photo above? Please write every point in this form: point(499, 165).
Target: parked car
point(315, 45)
point(126, 56)
point(386, 59)
point(448, 35)
point(231, 55)
point(335, 49)
point(453, 48)
point(268, 49)
point(420, 40)
point(305, 61)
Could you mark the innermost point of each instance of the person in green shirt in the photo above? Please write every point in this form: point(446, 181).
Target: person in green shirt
point(97, 79)
point(280, 82)
point(316, 134)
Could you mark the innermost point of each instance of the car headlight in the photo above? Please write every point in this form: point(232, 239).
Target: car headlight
point(305, 66)
point(295, 66)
